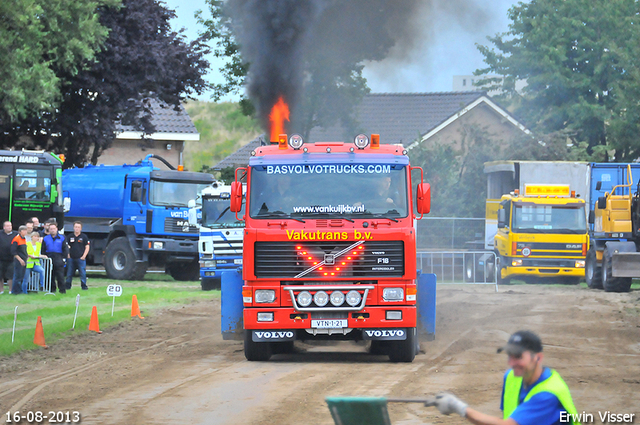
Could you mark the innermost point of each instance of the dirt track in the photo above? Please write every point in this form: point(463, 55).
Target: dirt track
point(175, 368)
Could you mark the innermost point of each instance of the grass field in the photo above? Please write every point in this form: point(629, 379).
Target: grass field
point(155, 292)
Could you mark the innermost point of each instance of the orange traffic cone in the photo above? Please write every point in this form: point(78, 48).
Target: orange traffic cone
point(94, 324)
point(38, 339)
point(135, 309)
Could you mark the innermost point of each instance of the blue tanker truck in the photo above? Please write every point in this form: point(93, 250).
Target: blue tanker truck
point(136, 216)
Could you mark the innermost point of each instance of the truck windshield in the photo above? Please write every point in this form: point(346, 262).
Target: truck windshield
point(329, 190)
point(34, 184)
point(174, 194)
point(549, 219)
point(216, 213)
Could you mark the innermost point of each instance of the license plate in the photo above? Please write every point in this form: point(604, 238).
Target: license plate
point(237, 261)
point(329, 323)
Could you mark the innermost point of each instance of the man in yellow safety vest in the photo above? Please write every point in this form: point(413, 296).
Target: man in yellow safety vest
point(531, 394)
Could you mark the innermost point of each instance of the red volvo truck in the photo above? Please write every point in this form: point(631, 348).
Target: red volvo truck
point(330, 245)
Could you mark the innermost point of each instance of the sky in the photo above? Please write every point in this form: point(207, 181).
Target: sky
point(446, 47)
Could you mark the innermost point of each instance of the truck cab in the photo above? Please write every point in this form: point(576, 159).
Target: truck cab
point(329, 245)
point(136, 216)
point(221, 232)
point(542, 234)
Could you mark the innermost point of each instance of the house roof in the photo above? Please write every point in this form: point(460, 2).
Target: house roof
point(401, 117)
point(169, 123)
point(405, 118)
point(240, 158)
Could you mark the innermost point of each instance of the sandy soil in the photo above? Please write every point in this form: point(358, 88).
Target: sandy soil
point(174, 367)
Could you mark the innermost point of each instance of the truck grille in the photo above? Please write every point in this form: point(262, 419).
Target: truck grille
point(289, 259)
point(227, 248)
point(178, 225)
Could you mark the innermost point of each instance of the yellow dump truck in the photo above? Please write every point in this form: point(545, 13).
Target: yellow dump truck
point(542, 233)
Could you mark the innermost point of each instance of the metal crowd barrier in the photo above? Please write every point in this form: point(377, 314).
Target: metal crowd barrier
point(33, 284)
point(459, 266)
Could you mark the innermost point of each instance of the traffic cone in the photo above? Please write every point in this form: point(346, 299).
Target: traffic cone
point(38, 338)
point(94, 324)
point(135, 310)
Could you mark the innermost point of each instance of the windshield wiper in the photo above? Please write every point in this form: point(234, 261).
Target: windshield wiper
point(279, 214)
point(384, 216)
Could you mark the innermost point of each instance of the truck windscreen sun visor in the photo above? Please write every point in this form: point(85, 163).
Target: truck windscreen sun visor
point(337, 190)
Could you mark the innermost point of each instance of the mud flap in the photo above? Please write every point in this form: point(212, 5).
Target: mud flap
point(231, 322)
point(426, 306)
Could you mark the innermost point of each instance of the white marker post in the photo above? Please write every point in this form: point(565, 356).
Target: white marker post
point(15, 317)
point(76, 315)
point(114, 291)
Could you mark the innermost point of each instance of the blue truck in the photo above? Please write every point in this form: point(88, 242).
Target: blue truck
point(136, 217)
point(220, 243)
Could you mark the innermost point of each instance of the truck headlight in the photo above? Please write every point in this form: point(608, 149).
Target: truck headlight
point(393, 294)
point(265, 295)
point(321, 298)
point(361, 141)
point(516, 263)
point(207, 263)
point(353, 298)
point(337, 298)
point(304, 298)
point(580, 263)
point(393, 315)
point(296, 141)
point(158, 245)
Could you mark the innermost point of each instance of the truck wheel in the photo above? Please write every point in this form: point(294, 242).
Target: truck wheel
point(209, 284)
point(140, 270)
point(610, 283)
point(184, 271)
point(119, 260)
point(404, 351)
point(592, 272)
point(499, 279)
point(256, 351)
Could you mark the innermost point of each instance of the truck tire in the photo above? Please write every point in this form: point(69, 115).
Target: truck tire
point(499, 279)
point(610, 283)
point(592, 272)
point(184, 271)
point(209, 284)
point(404, 351)
point(120, 261)
point(256, 351)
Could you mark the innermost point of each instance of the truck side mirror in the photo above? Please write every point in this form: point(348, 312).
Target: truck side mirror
point(602, 203)
point(592, 217)
point(423, 198)
point(598, 185)
point(502, 219)
point(236, 197)
point(136, 191)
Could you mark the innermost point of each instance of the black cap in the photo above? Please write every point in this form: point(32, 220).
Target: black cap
point(520, 342)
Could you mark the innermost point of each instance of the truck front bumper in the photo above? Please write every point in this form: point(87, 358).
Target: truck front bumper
point(371, 317)
point(542, 272)
point(174, 250)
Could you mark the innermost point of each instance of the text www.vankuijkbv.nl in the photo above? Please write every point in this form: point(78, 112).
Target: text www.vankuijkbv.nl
point(341, 209)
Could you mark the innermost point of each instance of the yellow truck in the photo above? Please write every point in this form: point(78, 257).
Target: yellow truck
point(542, 234)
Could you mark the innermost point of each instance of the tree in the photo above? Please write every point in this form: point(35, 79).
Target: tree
point(38, 40)
point(142, 59)
point(579, 60)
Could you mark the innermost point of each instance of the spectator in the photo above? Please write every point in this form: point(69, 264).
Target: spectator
point(6, 258)
point(36, 224)
point(30, 230)
point(33, 262)
point(45, 229)
point(55, 247)
point(19, 252)
point(78, 251)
